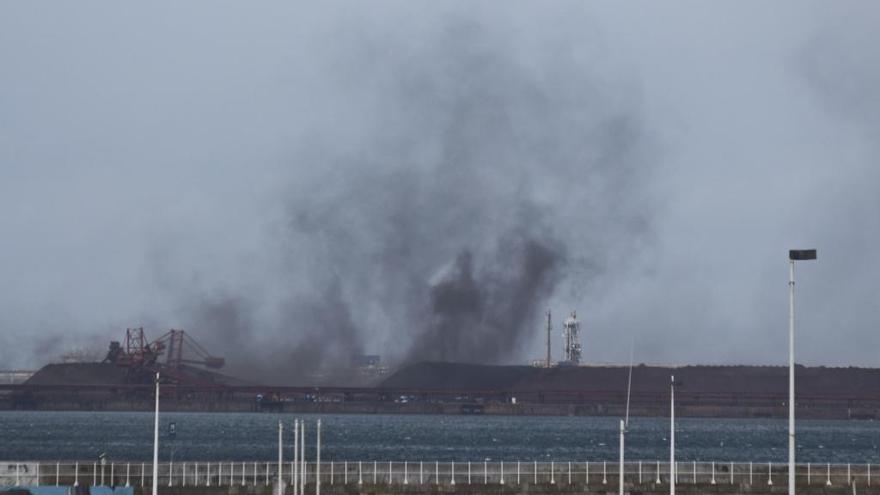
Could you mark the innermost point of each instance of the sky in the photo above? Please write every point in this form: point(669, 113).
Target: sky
point(297, 183)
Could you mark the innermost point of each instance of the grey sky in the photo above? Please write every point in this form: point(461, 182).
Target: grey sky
point(293, 172)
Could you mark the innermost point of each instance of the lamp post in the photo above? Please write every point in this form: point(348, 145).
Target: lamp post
point(672, 435)
point(156, 442)
point(280, 476)
point(793, 255)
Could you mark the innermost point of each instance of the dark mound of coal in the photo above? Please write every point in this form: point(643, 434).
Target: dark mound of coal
point(648, 379)
point(79, 374)
point(112, 374)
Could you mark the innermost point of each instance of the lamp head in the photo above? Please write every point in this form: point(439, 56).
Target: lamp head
point(802, 254)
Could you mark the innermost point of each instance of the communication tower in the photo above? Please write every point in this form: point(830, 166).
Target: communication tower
point(571, 339)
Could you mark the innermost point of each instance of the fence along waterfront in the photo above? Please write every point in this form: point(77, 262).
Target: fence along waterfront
point(252, 473)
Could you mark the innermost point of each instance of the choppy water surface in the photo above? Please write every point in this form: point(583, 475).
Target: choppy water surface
point(248, 436)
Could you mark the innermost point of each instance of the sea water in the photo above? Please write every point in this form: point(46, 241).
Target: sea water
point(128, 436)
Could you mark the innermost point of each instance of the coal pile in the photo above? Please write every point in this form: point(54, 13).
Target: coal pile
point(747, 380)
point(79, 374)
point(75, 374)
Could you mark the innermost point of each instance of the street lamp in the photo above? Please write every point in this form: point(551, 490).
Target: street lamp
point(793, 255)
point(156, 442)
point(671, 436)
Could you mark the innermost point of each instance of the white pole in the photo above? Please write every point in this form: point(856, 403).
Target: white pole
point(672, 435)
point(318, 461)
point(620, 464)
point(791, 444)
point(156, 442)
point(302, 458)
point(295, 457)
point(280, 457)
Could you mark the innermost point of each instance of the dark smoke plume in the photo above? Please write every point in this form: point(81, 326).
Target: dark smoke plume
point(483, 317)
point(466, 182)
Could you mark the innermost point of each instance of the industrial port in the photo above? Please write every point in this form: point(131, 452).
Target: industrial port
point(193, 380)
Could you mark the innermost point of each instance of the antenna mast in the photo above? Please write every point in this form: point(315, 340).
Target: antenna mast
point(548, 338)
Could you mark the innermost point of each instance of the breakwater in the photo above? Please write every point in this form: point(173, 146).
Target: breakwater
point(420, 477)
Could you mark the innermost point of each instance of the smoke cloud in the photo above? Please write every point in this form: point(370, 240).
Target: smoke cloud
point(297, 186)
point(479, 183)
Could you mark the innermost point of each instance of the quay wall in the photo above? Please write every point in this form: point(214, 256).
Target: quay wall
point(72, 403)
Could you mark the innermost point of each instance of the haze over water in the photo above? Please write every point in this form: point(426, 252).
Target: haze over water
point(51, 436)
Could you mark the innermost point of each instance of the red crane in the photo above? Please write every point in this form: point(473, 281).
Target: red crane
point(142, 357)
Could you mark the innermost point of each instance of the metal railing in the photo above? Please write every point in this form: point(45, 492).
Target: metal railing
point(23, 473)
